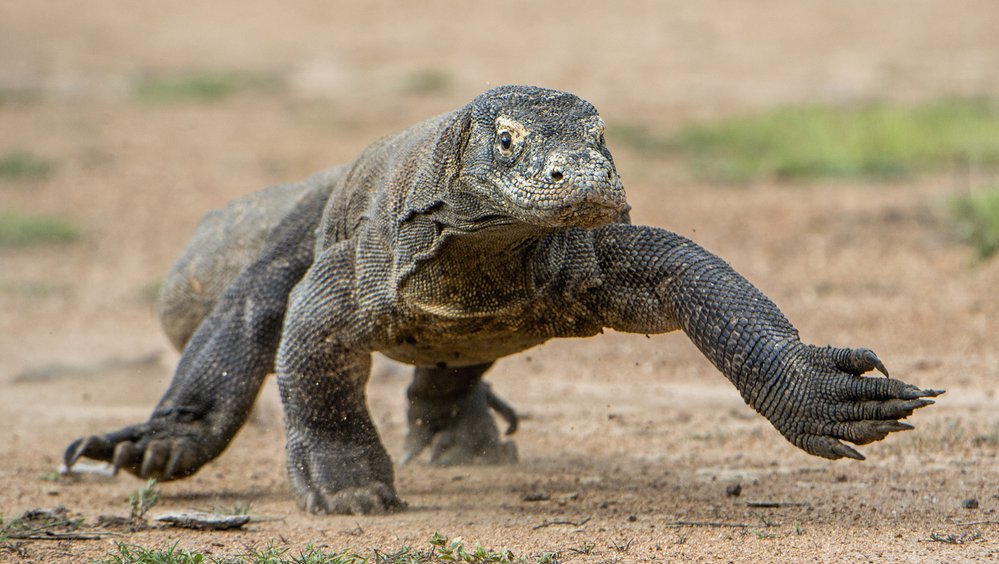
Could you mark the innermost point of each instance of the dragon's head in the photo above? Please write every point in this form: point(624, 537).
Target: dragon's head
point(538, 156)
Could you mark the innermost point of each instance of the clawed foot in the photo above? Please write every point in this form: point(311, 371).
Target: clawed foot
point(461, 430)
point(165, 450)
point(372, 499)
point(832, 403)
point(341, 478)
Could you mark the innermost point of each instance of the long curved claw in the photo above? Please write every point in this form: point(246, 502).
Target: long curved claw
point(174, 464)
point(858, 361)
point(873, 359)
point(154, 459)
point(931, 393)
point(846, 451)
point(892, 426)
point(126, 455)
point(98, 447)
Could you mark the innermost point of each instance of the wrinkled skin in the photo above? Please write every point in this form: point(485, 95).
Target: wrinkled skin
point(471, 236)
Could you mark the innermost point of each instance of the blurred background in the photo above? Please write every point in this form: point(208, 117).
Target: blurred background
point(842, 155)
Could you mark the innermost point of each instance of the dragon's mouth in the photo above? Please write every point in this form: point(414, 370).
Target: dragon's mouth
point(585, 205)
point(589, 214)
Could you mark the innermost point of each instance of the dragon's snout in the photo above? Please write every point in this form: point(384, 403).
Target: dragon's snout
point(586, 188)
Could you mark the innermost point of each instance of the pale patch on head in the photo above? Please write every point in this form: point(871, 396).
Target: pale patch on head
point(510, 134)
point(599, 127)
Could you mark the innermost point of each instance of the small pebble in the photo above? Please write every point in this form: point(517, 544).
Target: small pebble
point(733, 490)
point(970, 503)
point(632, 518)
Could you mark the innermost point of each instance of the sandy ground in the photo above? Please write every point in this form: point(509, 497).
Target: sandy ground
point(624, 437)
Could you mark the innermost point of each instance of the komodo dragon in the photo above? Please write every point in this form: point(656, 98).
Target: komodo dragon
point(468, 237)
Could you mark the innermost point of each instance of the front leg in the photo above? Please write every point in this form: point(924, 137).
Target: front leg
point(222, 368)
point(654, 280)
point(336, 461)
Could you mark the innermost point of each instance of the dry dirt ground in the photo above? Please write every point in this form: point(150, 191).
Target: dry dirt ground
point(625, 436)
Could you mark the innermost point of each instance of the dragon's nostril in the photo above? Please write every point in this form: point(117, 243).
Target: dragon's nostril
point(555, 175)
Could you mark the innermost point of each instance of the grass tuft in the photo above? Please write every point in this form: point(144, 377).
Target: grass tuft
point(19, 230)
point(202, 86)
point(442, 549)
point(872, 140)
point(143, 499)
point(21, 165)
point(976, 217)
point(134, 554)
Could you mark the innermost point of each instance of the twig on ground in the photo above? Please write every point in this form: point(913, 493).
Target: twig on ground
point(561, 522)
point(706, 524)
point(50, 535)
point(775, 504)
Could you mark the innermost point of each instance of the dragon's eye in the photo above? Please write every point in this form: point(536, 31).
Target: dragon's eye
point(510, 137)
point(506, 140)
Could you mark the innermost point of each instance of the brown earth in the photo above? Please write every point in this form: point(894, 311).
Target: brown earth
point(626, 436)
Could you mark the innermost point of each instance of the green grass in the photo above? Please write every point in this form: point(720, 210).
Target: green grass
point(20, 230)
point(428, 81)
point(202, 86)
point(149, 293)
point(23, 95)
point(977, 220)
point(33, 289)
point(872, 141)
point(133, 554)
point(143, 499)
point(441, 549)
point(21, 165)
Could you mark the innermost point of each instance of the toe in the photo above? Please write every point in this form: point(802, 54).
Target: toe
point(828, 447)
point(127, 455)
point(867, 431)
point(154, 460)
point(858, 361)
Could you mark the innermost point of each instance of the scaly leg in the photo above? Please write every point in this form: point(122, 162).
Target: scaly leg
point(449, 409)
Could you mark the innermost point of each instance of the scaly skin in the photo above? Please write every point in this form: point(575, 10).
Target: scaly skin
point(468, 237)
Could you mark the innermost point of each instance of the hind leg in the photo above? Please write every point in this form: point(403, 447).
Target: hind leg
point(226, 242)
point(449, 412)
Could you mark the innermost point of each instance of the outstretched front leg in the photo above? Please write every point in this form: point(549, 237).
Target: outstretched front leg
point(449, 409)
point(654, 281)
point(336, 461)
